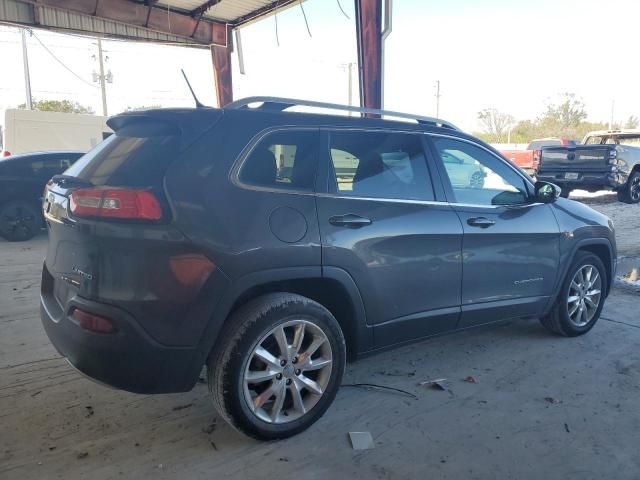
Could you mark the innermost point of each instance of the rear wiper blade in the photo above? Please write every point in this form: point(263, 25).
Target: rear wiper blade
point(68, 181)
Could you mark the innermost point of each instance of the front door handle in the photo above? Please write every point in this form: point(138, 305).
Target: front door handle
point(481, 222)
point(349, 220)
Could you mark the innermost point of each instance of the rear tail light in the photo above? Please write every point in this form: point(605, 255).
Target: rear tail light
point(6, 153)
point(115, 203)
point(537, 157)
point(93, 323)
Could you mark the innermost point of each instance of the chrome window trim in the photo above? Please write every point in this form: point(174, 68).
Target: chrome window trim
point(258, 137)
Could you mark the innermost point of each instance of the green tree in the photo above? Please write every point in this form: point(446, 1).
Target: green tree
point(632, 122)
point(495, 124)
point(64, 106)
point(563, 118)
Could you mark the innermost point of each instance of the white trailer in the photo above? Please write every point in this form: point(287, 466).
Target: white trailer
point(32, 130)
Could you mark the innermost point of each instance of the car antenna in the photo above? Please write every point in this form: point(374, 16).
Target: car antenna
point(198, 104)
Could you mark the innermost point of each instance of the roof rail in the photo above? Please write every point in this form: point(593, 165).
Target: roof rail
point(279, 104)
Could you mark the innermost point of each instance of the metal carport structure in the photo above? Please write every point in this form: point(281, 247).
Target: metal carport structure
point(207, 23)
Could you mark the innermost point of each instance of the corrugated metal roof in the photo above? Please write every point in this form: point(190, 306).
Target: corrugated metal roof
point(14, 11)
point(227, 11)
point(130, 24)
point(66, 20)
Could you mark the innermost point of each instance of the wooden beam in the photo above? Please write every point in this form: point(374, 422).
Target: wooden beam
point(369, 33)
point(152, 17)
point(221, 58)
point(150, 4)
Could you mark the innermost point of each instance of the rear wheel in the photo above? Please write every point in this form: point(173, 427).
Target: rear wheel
point(630, 193)
point(581, 297)
point(565, 192)
point(279, 366)
point(19, 221)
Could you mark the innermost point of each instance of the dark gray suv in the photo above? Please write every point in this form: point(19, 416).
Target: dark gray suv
point(270, 245)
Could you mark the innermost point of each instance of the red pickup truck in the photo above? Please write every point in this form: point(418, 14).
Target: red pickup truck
point(529, 159)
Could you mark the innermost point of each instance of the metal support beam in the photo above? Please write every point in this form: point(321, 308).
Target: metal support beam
point(221, 57)
point(368, 31)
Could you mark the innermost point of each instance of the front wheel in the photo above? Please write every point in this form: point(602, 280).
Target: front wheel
point(630, 193)
point(581, 297)
point(277, 367)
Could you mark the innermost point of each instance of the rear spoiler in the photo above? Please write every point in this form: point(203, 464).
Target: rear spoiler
point(190, 123)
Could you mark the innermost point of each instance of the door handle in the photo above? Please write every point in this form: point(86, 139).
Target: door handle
point(481, 222)
point(349, 220)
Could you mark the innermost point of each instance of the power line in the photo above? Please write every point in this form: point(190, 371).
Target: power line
point(61, 62)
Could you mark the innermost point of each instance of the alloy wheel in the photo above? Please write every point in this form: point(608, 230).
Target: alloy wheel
point(288, 371)
point(584, 297)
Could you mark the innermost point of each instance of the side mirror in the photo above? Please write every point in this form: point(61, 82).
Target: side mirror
point(546, 192)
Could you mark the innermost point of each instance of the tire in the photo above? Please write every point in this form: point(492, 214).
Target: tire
point(19, 221)
point(559, 320)
point(565, 192)
point(235, 359)
point(630, 193)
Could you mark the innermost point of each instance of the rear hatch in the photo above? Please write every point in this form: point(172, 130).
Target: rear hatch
point(111, 235)
point(582, 158)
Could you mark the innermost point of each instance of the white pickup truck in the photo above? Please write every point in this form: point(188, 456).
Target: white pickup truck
point(606, 160)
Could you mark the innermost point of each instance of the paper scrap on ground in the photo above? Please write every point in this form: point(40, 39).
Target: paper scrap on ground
point(361, 440)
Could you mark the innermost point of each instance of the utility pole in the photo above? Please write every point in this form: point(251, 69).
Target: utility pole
point(613, 106)
point(349, 67)
point(25, 63)
point(437, 98)
point(103, 80)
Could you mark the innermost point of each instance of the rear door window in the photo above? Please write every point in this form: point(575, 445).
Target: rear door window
point(380, 165)
point(283, 160)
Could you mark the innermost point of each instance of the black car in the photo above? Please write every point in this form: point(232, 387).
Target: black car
point(269, 245)
point(22, 181)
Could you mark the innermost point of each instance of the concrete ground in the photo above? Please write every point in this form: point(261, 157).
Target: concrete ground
point(541, 406)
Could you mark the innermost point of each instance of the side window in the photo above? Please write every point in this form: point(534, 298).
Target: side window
point(48, 167)
point(380, 165)
point(478, 177)
point(283, 160)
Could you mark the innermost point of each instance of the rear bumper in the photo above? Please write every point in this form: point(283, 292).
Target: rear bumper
point(127, 359)
point(585, 180)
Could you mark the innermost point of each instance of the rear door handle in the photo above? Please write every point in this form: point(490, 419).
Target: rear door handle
point(481, 222)
point(349, 220)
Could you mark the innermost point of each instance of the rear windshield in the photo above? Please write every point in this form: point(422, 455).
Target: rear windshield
point(135, 156)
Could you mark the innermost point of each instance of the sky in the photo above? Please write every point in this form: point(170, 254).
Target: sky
point(513, 55)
